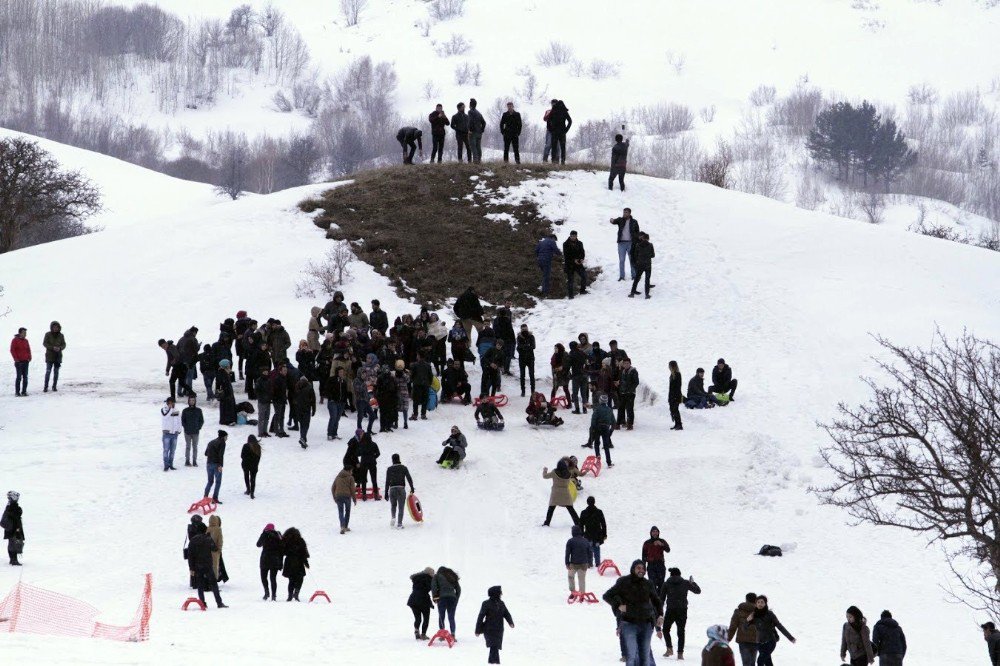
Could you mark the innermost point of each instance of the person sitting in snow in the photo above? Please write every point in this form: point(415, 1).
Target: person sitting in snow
point(697, 396)
point(540, 412)
point(455, 383)
point(722, 379)
point(454, 449)
point(488, 417)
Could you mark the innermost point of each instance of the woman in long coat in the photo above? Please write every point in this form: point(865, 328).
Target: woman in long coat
point(560, 495)
point(218, 564)
point(490, 622)
point(224, 392)
point(296, 561)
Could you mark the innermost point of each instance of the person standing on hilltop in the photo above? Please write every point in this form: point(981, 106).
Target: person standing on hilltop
point(619, 159)
point(460, 125)
point(20, 351)
point(559, 123)
point(628, 233)
point(438, 121)
point(548, 133)
point(410, 137)
point(477, 125)
point(54, 343)
point(510, 129)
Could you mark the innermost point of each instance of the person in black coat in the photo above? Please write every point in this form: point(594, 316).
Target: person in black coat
point(377, 318)
point(271, 555)
point(296, 561)
point(420, 602)
point(503, 325)
point(722, 379)
point(200, 564)
point(573, 256)
point(250, 461)
point(697, 397)
point(642, 260)
point(674, 395)
point(889, 641)
point(438, 121)
point(558, 124)
point(460, 125)
point(455, 383)
point(619, 158)
point(224, 393)
point(368, 454)
point(492, 615)
point(510, 129)
point(192, 531)
point(410, 137)
point(470, 311)
point(636, 605)
point(525, 344)
point(13, 527)
point(595, 529)
point(674, 593)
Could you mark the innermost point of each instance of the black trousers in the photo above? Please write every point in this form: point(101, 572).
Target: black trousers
point(729, 388)
point(250, 479)
point(572, 513)
point(206, 583)
point(680, 617)
point(639, 272)
point(675, 412)
point(421, 618)
point(437, 146)
point(626, 409)
point(508, 143)
point(620, 172)
point(462, 139)
point(571, 273)
point(294, 587)
point(271, 574)
point(463, 390)
point(559, 148)
point(494, 657)
point(490, 382)
point(419, 399)
point(372, 469)
point(408, 159)
point(525, 362)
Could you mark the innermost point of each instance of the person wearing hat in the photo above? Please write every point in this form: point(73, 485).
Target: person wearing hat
point(170, 420)
point(636, 605)
point(250, 461)
point(396, 477)
point(271, 558)
point(602, 422)
point(224, 393)
point(492, 615)
point(420, 602)
point(674, 593)
point(13, 527)
point(722, 379)
point(573, 256)
point(214, 456)
point(454, 449)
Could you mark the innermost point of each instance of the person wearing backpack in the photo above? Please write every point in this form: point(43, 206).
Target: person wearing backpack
point(445, 591)
point(674, 593)
point(744, 634)
point(767, 625)
point(492, 615)
point(13, 527)
point(855, 639)
point(889, 641)
point(192, 421)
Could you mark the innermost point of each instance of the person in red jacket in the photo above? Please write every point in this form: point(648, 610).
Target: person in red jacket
point(652, 556)
point(20, 349)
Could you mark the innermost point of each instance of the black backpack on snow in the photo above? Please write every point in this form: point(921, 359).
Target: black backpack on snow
point(770, 551)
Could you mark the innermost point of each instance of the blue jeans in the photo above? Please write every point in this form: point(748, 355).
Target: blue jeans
point(447, 605)
point(214, 475)
point(595, 551)
point(21, 376)
point(637, 642)
point(625, 250)
point(169, 446)
point(209, 378)
point(365, 409)
point(764, 654)
point(343, 510)
point(49, 367)
point(336, 410)
point(546, 268)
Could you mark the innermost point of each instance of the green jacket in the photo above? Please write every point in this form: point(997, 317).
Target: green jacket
point(602, 416)
point(54, 344)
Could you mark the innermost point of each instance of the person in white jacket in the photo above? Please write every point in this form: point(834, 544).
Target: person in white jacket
point(171, 425)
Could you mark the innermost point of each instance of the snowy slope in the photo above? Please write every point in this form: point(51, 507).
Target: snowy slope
point(788, 297)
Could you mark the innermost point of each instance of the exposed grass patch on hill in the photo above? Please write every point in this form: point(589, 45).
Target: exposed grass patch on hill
point(425, 227)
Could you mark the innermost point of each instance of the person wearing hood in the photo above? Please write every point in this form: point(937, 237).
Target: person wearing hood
point(343, 490)
point(744, 634)
point(717, 652)
point(420, 602)
point(214, 456)
point(250, 462)
point(653, 550)
point(296, 561)
point(170, 423)
point(545, 251)
point(674, 593)
point(992, 637)
point(54, 343)
point(315, 330)
point(13, 527)
point(889, 641)
point(578, 556)
point(492, 614)
point(224, 393)
point(460, 125)
point(192, 421)
point(201, 551)
point(560, 495)
point(855, 639)
point(271, 555)
point(304, 407)
point(445, 591)
point(218, 564)
point(763, 619)
point(636, 605)
point(559, 122)
point(454, 449)
point(193, 526)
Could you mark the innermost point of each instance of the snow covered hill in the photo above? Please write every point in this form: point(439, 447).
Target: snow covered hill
point(788, 297)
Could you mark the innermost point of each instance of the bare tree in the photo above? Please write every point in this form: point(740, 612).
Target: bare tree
point(270, 19)
point(872, 204)
point(325, 277)
point(923, 454)
point(232, 164)
point(35, 192)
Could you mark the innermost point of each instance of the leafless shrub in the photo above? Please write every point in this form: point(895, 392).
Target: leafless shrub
point(809, 193)
point(351, 10)
point(846, 206)
point(424, 26)
point(443, 10)
point(960, 109)
point(763, 95)
point(430, 90)
point(923, 94)
point(556, 53)
point(281, 102)
point(707, 113)
point(456, 45)
point(325, 277)
point(676, 61)
point(664, 119)
point(468, 73)
point(715, 170)
point(593, 136)
point(797, 112)
point(872, 205)
point(599, 70)
point(678, 157)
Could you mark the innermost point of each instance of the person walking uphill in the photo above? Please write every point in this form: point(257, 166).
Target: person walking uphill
point(20, 351)
point(889, 641)
point(855, 639)
point(653, 550)
point(602, 422)
point(492, 614)
point(343, 490)
point(271, 555)
point(510, 129)
point(54, 343)
point(445, 591)
point(396, 478)
point(767, 625)
point(296, 561)
point(619, 159)
point(674, 593)
point(170, 423)
point(560, 495)
point(578, 557)
point(636, 605)
point(13, 527)
point(744, 633)
point(460, 125)
point(628, 233)
point(250, 462)
point(642, 260)
point(215, 454)
point(595, 529)
point(545, 251)
point(420, 602)
point(477, 125)
point(410, 137)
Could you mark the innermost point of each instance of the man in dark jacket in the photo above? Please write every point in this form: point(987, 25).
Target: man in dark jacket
point(628, 384)
point(215, 455)
point(470, 311)
point(200, 551)
point(421, 376)
point(368, 454)
point(578, 377)
point(628, 233)
point(460, 125)
point(642, 261)
point(396, 478)
point(545, 251)
point(192, 420)
point(602, 422)
point(410, 137)
point(653, 550)
point(176, 370)
point(279, 342)
point(477, 125)
point(619, 158)
point(187, 352)
point(992, 638)
point(377, 318)
point(889, 641)
point(674, 593)
point(279, 398)
point(490, 621)
point(636, 606)
point(577, 560)
point(438, 121)
point(722, 379)
point(595, 530)
point(573, 256)
point(493, 361)
point(697, 397)
point(54, 343)
point(526, 356)
point(13, 527)
point(503, 326)
point(510, 129)
point(455, 382)
point(559, 123)
point(745, 634)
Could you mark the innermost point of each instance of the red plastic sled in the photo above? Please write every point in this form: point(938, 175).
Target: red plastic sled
point(560, 401)
point(607, 565)
point(193, 600)
point(369, 494)
point(500, 400)
point(206, 506)
point(591, 464)
point(319, 594)
point(582, 597)
point(416, 511)
point(445, 636)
